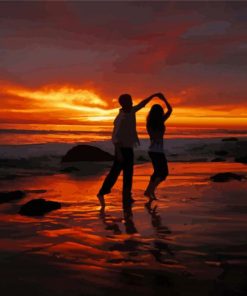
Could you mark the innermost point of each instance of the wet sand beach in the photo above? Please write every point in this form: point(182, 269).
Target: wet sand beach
point(192, 240)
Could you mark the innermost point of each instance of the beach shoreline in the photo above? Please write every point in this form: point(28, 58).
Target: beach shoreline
point(188, 242)
point(45, 159)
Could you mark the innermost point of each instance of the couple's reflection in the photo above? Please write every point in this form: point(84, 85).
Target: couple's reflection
point(159, 249)
point(128, 219)
point(111, 223)
point(156, 220)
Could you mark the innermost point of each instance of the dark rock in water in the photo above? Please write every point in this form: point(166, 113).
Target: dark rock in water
point(241, 159)
point(69, 170)
point(224, 177)
point(11, 195)
point(141, 158)
point(218, 159)
point(86, 153)
point(220, 152)
point(38, 207)
point(230, 139)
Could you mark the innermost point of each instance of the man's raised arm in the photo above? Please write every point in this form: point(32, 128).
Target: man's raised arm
point(144, 102)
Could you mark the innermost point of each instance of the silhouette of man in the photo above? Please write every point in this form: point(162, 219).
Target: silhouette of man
point(124, 138)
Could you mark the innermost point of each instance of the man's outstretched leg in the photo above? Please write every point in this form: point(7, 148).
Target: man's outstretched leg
point(110, 180)
point(128, 156)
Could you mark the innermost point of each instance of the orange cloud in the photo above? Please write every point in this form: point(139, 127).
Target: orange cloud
point(53, 104)
point(63, 104)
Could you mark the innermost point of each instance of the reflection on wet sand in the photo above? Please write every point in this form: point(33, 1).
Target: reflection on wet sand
point(156, 220)
point(136, 245)
point(129, 220)
point(161, 250)
point(109, 222)
point(190, 239)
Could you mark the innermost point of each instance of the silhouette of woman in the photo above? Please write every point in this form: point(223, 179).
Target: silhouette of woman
point(156, 129)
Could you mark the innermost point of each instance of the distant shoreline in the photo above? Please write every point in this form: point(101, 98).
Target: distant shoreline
point(32, 136)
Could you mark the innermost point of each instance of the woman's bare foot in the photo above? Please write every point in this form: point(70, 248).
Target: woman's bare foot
point(151, 195)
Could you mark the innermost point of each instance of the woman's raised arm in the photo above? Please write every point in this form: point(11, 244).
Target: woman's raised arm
point(168, 106)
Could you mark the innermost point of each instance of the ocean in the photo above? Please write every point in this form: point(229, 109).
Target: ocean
point(28, 152)
point(103, 133)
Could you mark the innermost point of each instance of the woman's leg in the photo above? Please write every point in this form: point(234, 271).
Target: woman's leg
point(161, 170)
point(160, 173)
point(151, 185)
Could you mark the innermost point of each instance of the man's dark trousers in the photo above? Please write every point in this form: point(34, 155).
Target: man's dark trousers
point(127, 166)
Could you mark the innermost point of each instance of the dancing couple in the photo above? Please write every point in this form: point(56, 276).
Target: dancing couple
point(125, 138)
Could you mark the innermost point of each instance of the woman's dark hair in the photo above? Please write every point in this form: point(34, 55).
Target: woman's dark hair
point(155, 119)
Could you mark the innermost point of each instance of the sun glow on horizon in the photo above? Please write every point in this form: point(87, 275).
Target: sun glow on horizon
point(76, 105)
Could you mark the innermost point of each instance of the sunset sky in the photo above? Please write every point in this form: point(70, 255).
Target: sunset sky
point(67, 62)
